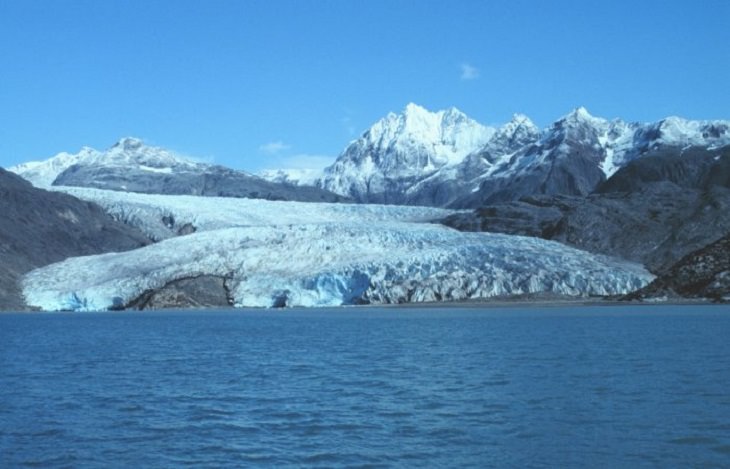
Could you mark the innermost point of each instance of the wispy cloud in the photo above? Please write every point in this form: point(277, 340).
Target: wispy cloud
point(469, 72)
point(273, 148)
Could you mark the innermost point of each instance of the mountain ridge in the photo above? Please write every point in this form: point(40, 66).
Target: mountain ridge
point(572, 156)
point(41, 227)
point(132, 166)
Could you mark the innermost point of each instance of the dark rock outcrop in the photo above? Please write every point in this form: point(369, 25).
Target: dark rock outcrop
point(40, 227)
point(704, 273)
point(655, 226)
point(215, 181)
point(655, 210)
point(204, 291)
point(691, 168)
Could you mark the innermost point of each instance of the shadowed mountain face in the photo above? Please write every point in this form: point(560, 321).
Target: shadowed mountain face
point(655, 210)
point(692, 168)
point(40, 227)
point(215, 181)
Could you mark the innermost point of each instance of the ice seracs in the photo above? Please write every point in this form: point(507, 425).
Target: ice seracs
point(349, 254)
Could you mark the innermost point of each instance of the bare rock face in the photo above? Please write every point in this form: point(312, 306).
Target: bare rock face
point(655, 226)
point(40, 227)
point(655, 210)
point(204, 291)
point(704, 273)
point(214, 181)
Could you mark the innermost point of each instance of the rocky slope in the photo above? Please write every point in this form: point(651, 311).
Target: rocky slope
point(655, 210)
point(704, 273)
point(40, 227)
point(132, 166)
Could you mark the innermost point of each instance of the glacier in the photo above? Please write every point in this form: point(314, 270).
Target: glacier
point(294, 254)
point(161, 216)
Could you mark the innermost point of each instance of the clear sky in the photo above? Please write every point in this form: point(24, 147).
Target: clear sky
point(257, 84)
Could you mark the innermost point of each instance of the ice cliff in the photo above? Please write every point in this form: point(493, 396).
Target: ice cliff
point(279, 254)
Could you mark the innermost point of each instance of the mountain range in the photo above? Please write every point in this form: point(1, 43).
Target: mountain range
point(447, 159)
point(131, 165)
point(648, 193)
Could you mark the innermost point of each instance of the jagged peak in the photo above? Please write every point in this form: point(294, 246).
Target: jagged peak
point(579, 114)
point(129, 143)
point(413, 108)
point(521, 120)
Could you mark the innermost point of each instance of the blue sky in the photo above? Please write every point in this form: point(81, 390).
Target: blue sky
point(257, 84)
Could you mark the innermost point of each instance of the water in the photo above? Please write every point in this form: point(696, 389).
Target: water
point(514, 387)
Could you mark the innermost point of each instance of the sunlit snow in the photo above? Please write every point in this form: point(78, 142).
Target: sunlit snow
point(287, 253)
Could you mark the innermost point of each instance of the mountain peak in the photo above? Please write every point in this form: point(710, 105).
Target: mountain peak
point(521, 120)
point(413, 108)
point(579, 114)
point(129, 143)
point(408, 145)
point(416, 111)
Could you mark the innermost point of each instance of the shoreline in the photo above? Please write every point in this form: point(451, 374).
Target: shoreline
point(520, 301)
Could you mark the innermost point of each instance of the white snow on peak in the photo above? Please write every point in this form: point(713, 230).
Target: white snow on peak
point(331, 254)
point(581, 113)
point(128, 143)
point(580, 117)
point(447, 136)
point(132, 152)
point(43, 173)
point(128, 152)
point(293, 176)
point(678, 131)
point(412, 144)
point(520, 119)
point(519, 127)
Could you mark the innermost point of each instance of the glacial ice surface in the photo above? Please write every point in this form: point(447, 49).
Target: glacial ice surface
point(291, 254)
point(161, 216)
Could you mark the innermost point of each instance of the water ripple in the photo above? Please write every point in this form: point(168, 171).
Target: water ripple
point(603, 387)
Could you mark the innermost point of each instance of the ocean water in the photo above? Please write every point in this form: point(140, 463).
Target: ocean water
point(368, 387)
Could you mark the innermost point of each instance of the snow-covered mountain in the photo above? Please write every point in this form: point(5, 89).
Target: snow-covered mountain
point(128, 153)
point(131, 165)
point(443, 158)
point(277, 254)
point(401, 149)
point(579, 151)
